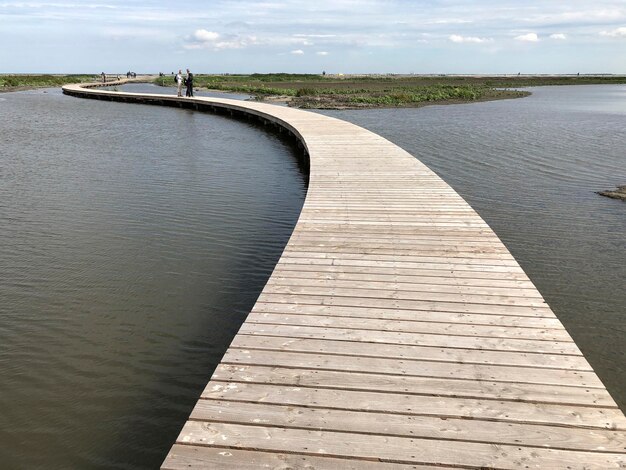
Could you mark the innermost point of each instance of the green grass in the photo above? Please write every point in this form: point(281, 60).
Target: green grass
point(42, 80)
point(330, 91)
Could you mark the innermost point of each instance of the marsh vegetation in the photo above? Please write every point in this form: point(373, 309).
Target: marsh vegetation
point(373, 91)
point(16, 82)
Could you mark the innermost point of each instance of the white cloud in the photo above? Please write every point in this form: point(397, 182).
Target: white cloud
point(616, 33)
point(297, 52)
point(471, 39)
point(322, 53)
point(204, 39)
point(559, 36)
point(202, 35)
point(529, 37)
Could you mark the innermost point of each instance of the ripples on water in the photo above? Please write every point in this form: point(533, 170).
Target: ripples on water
point(133, 241)
point(530, 168)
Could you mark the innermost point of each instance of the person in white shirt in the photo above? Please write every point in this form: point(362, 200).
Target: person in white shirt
point(179, 82)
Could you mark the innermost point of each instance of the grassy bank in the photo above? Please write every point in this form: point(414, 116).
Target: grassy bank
point(13, 82)
point(333, 91)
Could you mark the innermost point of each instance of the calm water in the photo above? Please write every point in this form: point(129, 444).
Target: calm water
point(133, 242)
point(530, 168)
point(134, 239)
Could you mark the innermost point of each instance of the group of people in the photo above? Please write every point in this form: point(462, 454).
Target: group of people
point(186, 80)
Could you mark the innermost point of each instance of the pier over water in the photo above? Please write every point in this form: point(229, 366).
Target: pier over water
point(396, 331)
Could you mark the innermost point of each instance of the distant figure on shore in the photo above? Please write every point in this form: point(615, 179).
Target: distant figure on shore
point(104, 77)
point(128, 74)
point(179, 82)
point(189, 83)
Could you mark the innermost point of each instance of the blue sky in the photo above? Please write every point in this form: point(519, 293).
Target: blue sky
point(339, 36)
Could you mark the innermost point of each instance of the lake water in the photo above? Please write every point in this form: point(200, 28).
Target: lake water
point(135, 239)
point(133, 242)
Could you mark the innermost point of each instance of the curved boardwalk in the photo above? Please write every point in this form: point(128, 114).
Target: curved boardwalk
point(396, 332)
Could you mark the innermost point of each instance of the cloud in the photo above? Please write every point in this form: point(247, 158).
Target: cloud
point(202, 35)
point(529, 37)
point(297, 52)
point(204, 39)
point(559, 36)
point(471, 39)
point(616, 33)
point(322, 53)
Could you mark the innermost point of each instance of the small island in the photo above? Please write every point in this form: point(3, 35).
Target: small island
point(339, 91)
point(619, 193)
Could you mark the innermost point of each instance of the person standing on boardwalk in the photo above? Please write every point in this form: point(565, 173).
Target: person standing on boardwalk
point(179, 82)
point(189, 84)
point(104, 77)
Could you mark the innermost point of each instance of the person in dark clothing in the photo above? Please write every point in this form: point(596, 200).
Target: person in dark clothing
point(189, 83)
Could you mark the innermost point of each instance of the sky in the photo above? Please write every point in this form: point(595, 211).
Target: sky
point(336, 36)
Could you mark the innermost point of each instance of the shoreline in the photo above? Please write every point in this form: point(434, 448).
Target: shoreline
point(311, 91)
point(13, 89)
point(332, 102)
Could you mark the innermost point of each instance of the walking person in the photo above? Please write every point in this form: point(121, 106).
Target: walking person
point(104, 77)
point(179, 82)
point(189, 84)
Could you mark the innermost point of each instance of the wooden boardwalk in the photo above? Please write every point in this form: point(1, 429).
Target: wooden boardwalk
point(396, 332)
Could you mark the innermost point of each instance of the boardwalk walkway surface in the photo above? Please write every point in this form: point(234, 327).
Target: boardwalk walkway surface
point(395, 332)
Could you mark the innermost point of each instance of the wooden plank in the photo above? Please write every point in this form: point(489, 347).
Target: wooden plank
point(343, 280)
point(406, 258)
point(450, 276)
point(586, 381)
point(401, 351)
point(519, 389)
point(391, 449)
point(377, 285)
point(403, 304)
point(379, 293)
point(555, 437)
point(413, 339)
point(420, 279)
point(487, 410)
point(442, 264)
point(438, 328)
point(417, 316)
point(227, 458)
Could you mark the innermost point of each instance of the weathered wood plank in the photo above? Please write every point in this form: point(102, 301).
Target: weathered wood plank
point(449, 386)
point(391, 449)
point(449, 276)
point(556, 437)
point(445, 407)
point(227, 458)
point(417, 339)
point(400, 352)
point(587, 381)
point(403, 304)
point(416, 316)
point(440, 328)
